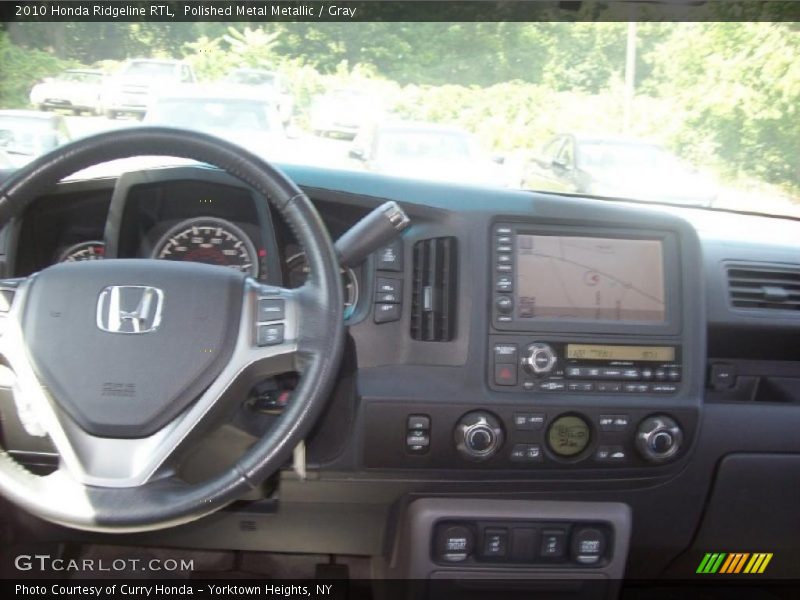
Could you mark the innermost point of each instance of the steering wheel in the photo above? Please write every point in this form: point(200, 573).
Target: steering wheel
point(168, 342)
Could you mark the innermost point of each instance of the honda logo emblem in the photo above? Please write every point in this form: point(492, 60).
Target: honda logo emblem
point(129, 309)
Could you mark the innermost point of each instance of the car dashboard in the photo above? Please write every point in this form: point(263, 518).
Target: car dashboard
point(533, 385)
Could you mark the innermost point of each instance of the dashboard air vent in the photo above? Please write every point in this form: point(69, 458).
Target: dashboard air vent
point(433, 300)
point(771, 287)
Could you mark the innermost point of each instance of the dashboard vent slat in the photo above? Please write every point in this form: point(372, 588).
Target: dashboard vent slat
point(433, 304)
point(764, 287)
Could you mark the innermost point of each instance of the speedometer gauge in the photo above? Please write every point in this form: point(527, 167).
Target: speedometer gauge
point(211, 241)
point(93, 250)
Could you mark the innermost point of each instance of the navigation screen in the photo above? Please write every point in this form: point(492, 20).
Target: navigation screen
point(589, 278)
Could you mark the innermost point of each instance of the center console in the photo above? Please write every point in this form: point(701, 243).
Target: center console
point(589, 363)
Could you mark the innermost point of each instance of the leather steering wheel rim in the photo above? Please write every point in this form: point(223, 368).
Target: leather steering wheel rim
point(166, 501)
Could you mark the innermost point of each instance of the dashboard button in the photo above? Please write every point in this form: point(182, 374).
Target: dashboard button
point(523, 544)
point(270, 335)
point(631, 374)
point(580, 387)
point(664, 388)
point(674, 374)
point(454, 543)
point(504, 268)
point(611, 373)
point(505, 353)
point(553, 541)
point(553, 386)
point(660, 374)
point(271, 309)
point(723, 377)
point(495, 542)
point(588, 545)
point(385, 313)
point(390, 258)
point(503, 248)
point(503, 239)
point(505, 374)
point(647, 373)
point(504, 284)
point(608, 386)
point(503, 259)
point(503, 230)
point(529, 421)
point(422, 422)
point(417, 441)
point(504, 304)
point(389, 291)
point(610, 454)
point(636, 388)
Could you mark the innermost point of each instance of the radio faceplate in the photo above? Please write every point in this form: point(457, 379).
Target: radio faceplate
point(523, 363)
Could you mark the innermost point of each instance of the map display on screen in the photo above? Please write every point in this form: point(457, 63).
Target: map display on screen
point(588, 278)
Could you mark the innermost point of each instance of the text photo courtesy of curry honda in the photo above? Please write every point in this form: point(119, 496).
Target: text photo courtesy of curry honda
point(382, 300)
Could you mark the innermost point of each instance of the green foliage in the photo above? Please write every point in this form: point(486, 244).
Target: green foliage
point(21, 68)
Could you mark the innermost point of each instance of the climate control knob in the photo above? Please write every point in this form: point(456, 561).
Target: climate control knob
point(478, 435)
point(540, 359)
point(659, 438)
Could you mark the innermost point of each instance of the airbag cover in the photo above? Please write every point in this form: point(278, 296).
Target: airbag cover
point(117, 382)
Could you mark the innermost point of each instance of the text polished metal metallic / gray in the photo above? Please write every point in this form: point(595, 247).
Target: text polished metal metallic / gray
point(129, 308)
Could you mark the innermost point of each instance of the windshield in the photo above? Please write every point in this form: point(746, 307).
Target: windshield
point(695, 114)
point(28, 136)
point(212, 113)
point(149, 69)
point(415, 145)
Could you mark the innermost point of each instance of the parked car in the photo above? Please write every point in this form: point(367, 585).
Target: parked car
point(75, 89)
point(621, 168)
point(25, 134)
point(270, 84)
point(135, 85)
point(244, 118)
point(344, 111)
point(426, 151)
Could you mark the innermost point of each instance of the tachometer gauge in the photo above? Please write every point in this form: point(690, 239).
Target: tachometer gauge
point(93, 250)
point(211, 241)
point(297, 269)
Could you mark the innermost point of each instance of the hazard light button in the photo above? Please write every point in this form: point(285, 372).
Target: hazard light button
point(505, 374)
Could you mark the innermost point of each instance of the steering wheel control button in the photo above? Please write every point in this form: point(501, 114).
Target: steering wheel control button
point(390, 258)
point(505, 353)
point(588, 545)
point(271, 309)
point(659, 438)
point(495, 542)
point(505, 374)
point(553, 544)
point(529, 421)
point(453, 543)
point(478, 435)
point(270, 335)
point(568, 436)
point(526, 453)
point(386, 313)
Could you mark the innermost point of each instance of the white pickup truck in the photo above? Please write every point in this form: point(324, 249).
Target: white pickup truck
point(133, 87)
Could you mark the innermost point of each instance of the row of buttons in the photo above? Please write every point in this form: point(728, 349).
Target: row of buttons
point(507, 376)
point(270, 309)
point(624, 373)
point(389, 291)
point(504, 283)
point(527, 421)
point(518, 543)
point(418, 434)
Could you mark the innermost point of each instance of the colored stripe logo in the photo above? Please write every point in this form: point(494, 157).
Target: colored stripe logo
point(734, 563)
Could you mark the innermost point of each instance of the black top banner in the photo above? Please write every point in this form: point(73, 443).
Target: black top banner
point(402, 10)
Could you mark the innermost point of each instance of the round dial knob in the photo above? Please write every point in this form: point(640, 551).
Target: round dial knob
point(659, 438)
point(478, 435)
point(539, 360)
